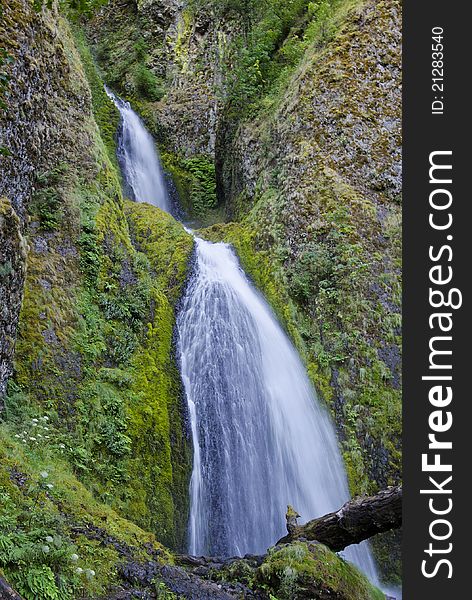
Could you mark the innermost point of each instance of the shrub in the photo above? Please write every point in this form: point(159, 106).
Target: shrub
point(147, 84)
point(203, 188)
point(47, 198)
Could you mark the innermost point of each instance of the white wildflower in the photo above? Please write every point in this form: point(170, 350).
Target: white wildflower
point(62, 445)
point(74, 557)
point(17, 435)
point(33, 439)
point(49, 486)
point(45, 549)
point(44, 474)
point(90, 573)
point(79, 571)
point(34, 421)
point(49, 539)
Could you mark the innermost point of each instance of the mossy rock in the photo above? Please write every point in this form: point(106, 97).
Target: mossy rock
point(307, 571)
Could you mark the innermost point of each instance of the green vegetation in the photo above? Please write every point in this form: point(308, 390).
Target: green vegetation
point(94, 347)
point(297, 570)
point(95, 357)
point(46, 201)
point(147, 84)
point(50, 524)
point(274, 38)
point(126, 55)
point(117, 393)
point(160, 468)
point(195, 180)
point(105, 112)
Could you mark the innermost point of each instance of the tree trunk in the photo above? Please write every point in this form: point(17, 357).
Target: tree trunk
point(355, 521)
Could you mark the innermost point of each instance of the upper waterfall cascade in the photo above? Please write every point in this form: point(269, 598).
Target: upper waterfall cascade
point(139, 162)
point(261, 438)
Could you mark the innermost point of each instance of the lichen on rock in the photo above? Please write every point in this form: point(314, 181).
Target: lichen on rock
point(13, 251)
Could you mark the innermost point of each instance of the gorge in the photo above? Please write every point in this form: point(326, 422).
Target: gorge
point(164, 378)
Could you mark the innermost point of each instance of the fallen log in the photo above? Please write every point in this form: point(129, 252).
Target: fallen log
point(7, 592)
point(357, 520)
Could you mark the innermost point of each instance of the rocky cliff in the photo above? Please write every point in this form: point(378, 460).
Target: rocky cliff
point(94, 392)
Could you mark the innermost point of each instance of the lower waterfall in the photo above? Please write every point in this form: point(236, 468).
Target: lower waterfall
point(261, 439)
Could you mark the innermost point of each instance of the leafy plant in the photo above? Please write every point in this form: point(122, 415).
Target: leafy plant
point(47, 198)
point(34, 554)
point(203, 188)
point(147, 84)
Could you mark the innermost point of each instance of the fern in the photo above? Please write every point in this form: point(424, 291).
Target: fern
point(38, 583)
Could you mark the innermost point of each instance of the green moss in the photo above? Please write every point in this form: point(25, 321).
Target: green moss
point(46, 200)
point(105, 112)
point(165, 243)
point(181, 50)
point(195, 181)
point(161, 455)
point(148, 86)
point(302, 570)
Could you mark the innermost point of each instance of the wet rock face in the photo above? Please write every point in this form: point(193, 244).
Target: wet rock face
point(12, 276)
point(44, 133)
point(184, 50)
point(39, 89)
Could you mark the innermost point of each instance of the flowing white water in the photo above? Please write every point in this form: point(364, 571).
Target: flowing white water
point(261, 439)
point(139, 161)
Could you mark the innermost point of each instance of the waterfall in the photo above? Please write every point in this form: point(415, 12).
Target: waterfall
point(261, 439)
point(138, 159)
